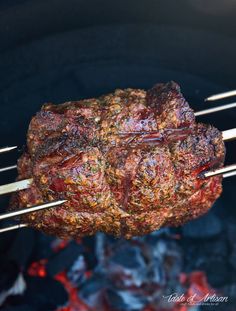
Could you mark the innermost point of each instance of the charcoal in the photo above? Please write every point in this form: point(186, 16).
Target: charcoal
point(166, 261)
point(19, 252)
point(9, 271)
point(230, 291)
point(44, 293)
point(129, 257)
point(77, 271)
point(218, 273)
point(24, 307)
point(204, 253)
point(231, 233)
point(7, 239)
point(232, 258)
point(125, 300)
point(91, 261)
point(92, 290)
point(43, 248)
point(206, 226)
point(64, 258)
point(127, 265)
point(156, 273)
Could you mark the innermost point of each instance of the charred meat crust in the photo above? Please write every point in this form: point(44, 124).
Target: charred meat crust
point(127, 162)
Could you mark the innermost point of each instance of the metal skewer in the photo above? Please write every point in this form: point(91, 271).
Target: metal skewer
point(230, 174)
point(8, 168)
point(24, 211)
point(220, 171)
point(198, 113)
point(6, 149)
point(16, 186)
point(14, 227)
point(227, 171)
point(215, 109)
point(221, 95)
point(229, 134)
point(231, 171)
point(26, 183)
point(32, 209)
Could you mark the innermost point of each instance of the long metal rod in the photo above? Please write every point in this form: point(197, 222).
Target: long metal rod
point(221, 95)
point(24, 184)
point(8, 168)
point(32, 209)
point(215, 109)
point(16, 186)
point(6, 149)
point(230, 174)
point(14, 227)
point(231, 171)
point(198, 113)
point(220, 171)
point(229, 134)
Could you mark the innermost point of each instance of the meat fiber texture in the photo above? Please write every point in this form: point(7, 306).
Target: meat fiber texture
point(127, 163)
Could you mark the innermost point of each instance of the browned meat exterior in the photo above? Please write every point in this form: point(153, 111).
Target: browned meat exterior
point(128, 163)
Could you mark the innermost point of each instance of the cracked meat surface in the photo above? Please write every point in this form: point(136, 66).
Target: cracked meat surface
point(127, 163)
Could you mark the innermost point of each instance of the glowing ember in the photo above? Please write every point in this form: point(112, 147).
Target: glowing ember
point(59, 244)
point(195, 283)
point(197, 287)
point(126, 274)
point(38, 268)
point(74, 303)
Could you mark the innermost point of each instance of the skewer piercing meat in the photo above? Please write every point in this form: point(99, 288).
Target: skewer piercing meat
point(127, 163)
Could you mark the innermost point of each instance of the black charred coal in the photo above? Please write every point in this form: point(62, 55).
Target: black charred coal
point(210, 248)
point(24, 307)
point(9, 271)
point(44, 294)
point(18, 250)
point(77, 272)
point(125, 300)
point(63, 259)
point(92, 291)
point(135, 273)
point(43, 246)
point(204, 227)
point(90, 248)
point(231, 232)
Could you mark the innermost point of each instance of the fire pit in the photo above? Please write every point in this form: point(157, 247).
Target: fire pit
point(60, 52)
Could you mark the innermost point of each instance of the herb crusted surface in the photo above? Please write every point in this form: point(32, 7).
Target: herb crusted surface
point(128, 163)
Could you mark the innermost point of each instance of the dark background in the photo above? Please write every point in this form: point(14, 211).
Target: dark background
point(56, 51)
point(62, 50)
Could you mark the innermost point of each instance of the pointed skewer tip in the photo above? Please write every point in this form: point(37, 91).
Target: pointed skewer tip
point(229, 134)
point(215, 109)
point(6, 149)
point(16, 186)
point(229, 174)
point(13, 227)
point(221, 95)
point(28, 210)
point(8, 168)
point(220, 171)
